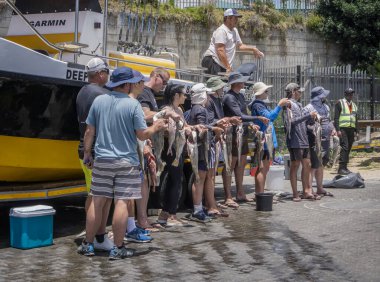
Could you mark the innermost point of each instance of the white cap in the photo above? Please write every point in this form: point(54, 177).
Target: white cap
point(96, 64)
point(232, 12)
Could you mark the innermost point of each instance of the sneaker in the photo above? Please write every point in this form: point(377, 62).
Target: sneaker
point(121, 253)
point(86, 249)
point(136, 236)
point(200, 217)
point(143, 231)
point(343, 171)
point(106, 245)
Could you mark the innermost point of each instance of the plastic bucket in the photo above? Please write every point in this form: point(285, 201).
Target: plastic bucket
point(264, 201)
point(275, 178)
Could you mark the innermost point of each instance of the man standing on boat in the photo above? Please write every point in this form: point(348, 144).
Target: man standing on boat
point(97, 73)
point(117, 120)
point(224, 42)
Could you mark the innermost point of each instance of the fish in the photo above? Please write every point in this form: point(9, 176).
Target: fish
point(152, 173)
point(180, 141)
point(269, 141)
point(217, 154)
point(140, 151)
point(227, 163)
point(172, 129)
point(192, 149)
point(287, 117)
point(259, 148)
point(317, 131)
point(335, 150)
point(228, 141)
point(206, 145)
point(239, 140)
point(158, 144)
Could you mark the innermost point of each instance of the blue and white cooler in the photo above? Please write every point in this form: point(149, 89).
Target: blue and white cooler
point(31, 227)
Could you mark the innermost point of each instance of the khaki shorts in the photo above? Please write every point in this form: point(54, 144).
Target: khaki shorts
point(116, 179)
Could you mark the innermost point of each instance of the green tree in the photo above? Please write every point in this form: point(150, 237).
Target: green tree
point(355, 25)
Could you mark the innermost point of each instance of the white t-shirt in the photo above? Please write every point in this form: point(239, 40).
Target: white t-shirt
point(230, 38)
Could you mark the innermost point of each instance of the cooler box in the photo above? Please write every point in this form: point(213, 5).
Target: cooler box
point(31, 227)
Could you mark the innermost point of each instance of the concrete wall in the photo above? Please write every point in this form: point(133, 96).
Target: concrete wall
point(5, 18)
point(191, 41)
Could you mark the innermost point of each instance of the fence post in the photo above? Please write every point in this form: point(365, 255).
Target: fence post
point(298, 74)
point(372, 94)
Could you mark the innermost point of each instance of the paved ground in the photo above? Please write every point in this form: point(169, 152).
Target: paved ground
point(334, 239)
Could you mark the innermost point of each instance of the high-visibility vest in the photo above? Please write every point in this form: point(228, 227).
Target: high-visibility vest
point(346, 118)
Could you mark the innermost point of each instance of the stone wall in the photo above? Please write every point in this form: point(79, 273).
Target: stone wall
point(190, 41)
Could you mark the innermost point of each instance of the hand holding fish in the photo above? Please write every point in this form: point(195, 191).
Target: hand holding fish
point(235, 120)
point(263, 119)
point(218, 132)
point(160, 124)
point(171, 114)
point(284, 102)
point(314, 114)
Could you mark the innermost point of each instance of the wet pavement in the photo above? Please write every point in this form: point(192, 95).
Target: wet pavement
point(334, 239)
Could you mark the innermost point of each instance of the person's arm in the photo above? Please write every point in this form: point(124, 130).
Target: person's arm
point(338, 110)
point(221, 53)
point(144, 134)
point(234, 107)
point(89, 136)
point(250, 48)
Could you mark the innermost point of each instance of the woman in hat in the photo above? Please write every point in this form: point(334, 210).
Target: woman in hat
point(234, 105)
point(199, 116)
point(260, 108)
point(318, 104)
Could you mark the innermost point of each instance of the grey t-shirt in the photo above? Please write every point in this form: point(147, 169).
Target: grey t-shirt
point(148, 100)
point(85, 98)
point(298, 135)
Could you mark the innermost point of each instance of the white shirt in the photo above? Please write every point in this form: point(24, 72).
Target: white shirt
point(230, 38)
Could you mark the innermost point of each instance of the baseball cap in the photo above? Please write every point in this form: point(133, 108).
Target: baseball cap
point(96, 64)
point(293, 86)
point(232, 12)
point(349, 91)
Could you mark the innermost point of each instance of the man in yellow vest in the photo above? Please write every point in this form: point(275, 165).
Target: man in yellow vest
point(345, 122)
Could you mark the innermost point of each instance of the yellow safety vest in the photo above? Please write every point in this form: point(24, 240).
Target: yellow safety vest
point(346, 118)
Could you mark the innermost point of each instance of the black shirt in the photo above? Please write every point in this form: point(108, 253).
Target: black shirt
point(85, 98)
point(148, 100)
point(234, 105)
point(215, 108)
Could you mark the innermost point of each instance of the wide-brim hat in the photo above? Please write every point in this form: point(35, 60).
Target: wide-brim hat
point(125, 75)
point(215, 83)
point(319, 93)
point(260, 88)
point(236, 77)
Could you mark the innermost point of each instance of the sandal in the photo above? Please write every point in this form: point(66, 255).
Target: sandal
point(325, 193)
point(221, 206)
point(232, 204)
point(297, 199)
point(309, 197)
point(245, 200)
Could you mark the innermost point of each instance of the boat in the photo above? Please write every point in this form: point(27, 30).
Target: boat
point(42, 68)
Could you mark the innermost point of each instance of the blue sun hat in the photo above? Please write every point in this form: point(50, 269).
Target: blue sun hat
point(125, 75)
point(318, 93)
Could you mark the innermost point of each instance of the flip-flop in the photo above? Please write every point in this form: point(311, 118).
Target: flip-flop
point(326, 193)
point(297, 199)
point(233, 205)
point(309, 197)
point(246, 200)
point(221, 206)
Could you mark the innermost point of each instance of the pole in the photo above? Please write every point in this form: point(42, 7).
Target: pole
point(105, 23)
point(76, 27)
point(372, 94)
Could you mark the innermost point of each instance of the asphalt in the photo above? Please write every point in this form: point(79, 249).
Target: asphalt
point(333, 239)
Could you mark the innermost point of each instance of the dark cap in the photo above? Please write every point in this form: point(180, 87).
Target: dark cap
point(349, 91)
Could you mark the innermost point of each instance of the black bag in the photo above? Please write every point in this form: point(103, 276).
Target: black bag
point(349, 181)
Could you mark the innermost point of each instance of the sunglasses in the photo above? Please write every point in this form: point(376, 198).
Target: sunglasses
point(164, 82)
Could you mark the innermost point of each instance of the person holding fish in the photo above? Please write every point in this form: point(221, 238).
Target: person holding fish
point(202, 155)
point(260, 108)
point(234, 105)
point(319, 132)
point(175, 96)
point(297, 141)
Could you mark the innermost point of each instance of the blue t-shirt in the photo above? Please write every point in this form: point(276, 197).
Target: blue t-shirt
point(116, 116)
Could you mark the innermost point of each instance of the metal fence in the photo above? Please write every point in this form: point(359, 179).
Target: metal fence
point(288, 5)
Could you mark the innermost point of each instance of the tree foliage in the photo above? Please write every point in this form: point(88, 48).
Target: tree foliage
point(355, 25)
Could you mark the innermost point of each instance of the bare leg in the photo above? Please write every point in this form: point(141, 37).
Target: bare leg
point(305, 177)
point(94, 217)
point(197, 188)
point(119, 221)
point(105, 212)
point(261, 176)
point(239, 176)
point(142, 205)
point(209, 191)
point(319, 179)
point(88, 202)
point(227, 179)
point(293, 177)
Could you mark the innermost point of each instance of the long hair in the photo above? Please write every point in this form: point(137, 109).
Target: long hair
point(170, 91)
